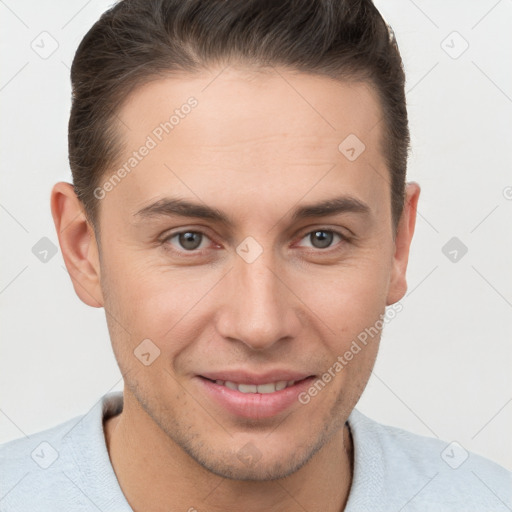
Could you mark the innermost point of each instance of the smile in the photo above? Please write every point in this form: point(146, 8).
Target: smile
point(270, 387)
point(254, 400)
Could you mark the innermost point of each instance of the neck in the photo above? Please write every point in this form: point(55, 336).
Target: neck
point(156, 474)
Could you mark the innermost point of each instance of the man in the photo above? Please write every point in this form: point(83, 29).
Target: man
point(240, 211)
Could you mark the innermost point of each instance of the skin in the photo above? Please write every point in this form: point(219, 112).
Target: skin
point(257, 145)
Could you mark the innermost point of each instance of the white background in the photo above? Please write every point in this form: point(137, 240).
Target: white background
point(444, 364)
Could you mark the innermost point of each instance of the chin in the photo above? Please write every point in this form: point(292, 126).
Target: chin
point(260, 471)
point(249, 463)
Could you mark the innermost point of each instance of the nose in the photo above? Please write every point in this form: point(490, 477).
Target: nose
point(258, 309)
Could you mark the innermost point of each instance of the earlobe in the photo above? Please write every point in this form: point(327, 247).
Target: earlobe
point(78, 244)
point(405, 232)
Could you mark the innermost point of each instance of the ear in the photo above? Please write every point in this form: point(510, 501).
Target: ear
point(403, 239)
point(77, 243)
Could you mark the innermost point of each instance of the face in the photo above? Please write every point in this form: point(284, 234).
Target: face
point(233, 276)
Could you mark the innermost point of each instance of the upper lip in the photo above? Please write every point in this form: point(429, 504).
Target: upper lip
point(244, 377)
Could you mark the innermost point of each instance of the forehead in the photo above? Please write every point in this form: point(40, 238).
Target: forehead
point(237, 130)
point(270, 101)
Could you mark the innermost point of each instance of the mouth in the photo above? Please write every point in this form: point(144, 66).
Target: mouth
point(269, 387)
point(244, 398)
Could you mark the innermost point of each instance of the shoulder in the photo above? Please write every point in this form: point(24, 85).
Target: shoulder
point(423, 472)
point(29, 465)
point(63, 467)
point(37, 450)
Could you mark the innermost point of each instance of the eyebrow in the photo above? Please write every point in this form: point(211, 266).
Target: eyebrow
point(169, 207)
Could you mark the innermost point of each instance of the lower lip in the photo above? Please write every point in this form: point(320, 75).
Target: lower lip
point(254, 405)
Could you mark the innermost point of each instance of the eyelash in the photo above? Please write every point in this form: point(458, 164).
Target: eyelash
point(166, 242)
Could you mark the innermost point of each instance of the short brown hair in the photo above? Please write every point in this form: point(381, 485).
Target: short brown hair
point(137, 41)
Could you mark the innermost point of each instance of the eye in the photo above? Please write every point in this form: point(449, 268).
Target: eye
point(187, 240)
point(323, 238)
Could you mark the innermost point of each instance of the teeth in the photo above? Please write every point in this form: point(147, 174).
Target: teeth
point(266, 388)
point(247, 388)
point(280, 385)
point(270, 387)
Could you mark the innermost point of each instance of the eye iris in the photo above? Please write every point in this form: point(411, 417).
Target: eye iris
point(324, 239)
point(190, 240)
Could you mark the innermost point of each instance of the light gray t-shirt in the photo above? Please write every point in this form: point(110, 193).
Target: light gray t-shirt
point(67, 468)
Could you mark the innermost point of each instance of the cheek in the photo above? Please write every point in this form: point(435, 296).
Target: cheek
point(348, 304)
point(346, 298)
point(159, 303)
